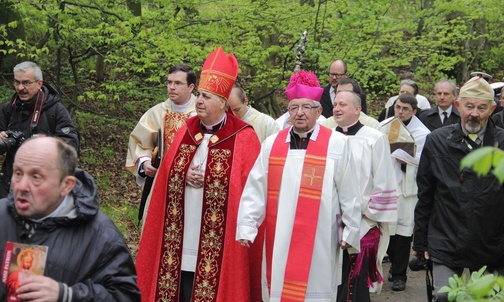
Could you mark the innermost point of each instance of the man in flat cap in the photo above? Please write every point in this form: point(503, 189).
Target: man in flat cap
point(188, 250)
point(458, 217)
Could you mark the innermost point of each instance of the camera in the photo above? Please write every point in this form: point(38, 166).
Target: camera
point(14, 139)
point(419, 263)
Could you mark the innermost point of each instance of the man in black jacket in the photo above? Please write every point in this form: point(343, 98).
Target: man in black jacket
point(458, 217)
point(337, 71)
point(445, 112)
point(54, 204)
point(33, 110)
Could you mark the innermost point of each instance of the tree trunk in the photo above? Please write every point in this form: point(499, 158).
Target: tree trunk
point(135, 7)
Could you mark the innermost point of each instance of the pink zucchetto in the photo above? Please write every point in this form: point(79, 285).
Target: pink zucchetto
point(304, 84)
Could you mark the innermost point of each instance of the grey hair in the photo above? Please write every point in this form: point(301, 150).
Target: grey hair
point(27, 65)
point(449, 82)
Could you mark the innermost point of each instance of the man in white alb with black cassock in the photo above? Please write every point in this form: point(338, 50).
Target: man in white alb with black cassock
point(406, 167)
point(375, 174)
point(302, 187)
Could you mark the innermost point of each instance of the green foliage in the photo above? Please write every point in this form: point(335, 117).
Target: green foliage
point(480, 287)
point(485, 160)
point(124, 216)
point(378, 39)
point(110, 59)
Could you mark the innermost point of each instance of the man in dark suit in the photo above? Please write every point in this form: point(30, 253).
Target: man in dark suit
point(337, 71)
point(444, 113)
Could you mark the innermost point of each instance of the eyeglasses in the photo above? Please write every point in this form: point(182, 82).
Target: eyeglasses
point(176, 83)
point(403, 109)
point(24, 83)
point(305, 108)
point(336, 75)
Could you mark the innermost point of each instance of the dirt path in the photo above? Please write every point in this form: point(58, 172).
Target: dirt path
point(415, 288)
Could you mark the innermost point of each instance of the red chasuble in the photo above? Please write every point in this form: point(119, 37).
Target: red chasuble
point(225, 270)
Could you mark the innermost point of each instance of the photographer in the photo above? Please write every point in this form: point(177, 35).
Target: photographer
point(33, 110)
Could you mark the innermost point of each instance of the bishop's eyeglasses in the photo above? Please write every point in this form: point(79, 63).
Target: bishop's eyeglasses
point(305, 108)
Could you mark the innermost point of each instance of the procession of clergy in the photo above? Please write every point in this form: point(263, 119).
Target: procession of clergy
point(304, 208)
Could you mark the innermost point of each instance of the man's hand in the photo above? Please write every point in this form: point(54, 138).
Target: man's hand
point(344, 245)
point(426, 255)
point(244, 242)
point(194, 177)
point(3, 135)
point(38, 288)
point(149, 169)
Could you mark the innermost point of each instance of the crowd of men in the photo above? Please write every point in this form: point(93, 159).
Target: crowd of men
point(247, 208)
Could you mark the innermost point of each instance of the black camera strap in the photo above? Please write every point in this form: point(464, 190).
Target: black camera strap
point(428, 283)
point(37, 109)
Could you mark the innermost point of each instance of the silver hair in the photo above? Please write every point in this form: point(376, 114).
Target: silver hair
point(27, 65)
point(449, 82)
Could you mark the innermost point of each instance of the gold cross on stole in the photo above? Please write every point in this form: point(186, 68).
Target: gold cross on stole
point(312, 176)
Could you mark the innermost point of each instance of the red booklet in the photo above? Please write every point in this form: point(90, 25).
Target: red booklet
point(20, 261)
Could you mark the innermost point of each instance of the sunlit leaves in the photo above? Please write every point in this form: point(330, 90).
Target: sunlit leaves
point(486, 160)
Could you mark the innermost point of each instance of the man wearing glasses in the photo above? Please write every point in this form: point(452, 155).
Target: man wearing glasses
point(188, 250)
point(33, 110)
point(168, 116)
point(406, 167)
point(337, 71)
point(302, 189)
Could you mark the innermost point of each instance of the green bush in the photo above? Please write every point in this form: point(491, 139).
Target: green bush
point(480, 287)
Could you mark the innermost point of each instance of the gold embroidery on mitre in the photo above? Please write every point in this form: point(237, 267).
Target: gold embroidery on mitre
point(216, 82)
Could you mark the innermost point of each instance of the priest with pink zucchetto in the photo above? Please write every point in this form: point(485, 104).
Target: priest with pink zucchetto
point(302, 189)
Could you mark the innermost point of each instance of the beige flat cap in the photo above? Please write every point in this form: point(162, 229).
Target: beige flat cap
point(477, 88)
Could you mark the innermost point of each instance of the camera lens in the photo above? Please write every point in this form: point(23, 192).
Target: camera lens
point(6, 143)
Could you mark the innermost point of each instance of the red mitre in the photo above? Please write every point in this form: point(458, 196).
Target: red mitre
point(219, 73)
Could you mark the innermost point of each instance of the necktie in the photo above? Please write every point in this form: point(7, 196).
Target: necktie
point(473, 137)
point(445, 116)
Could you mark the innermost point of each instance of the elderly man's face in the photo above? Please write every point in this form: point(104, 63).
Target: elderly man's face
point(210, 108)
point(26, 85)
point(304, 114)
point(474, 113)
point(444, 95)
point(406, 89)
point(36, 181)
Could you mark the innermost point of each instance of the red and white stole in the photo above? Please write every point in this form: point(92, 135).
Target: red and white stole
point(307, 211)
